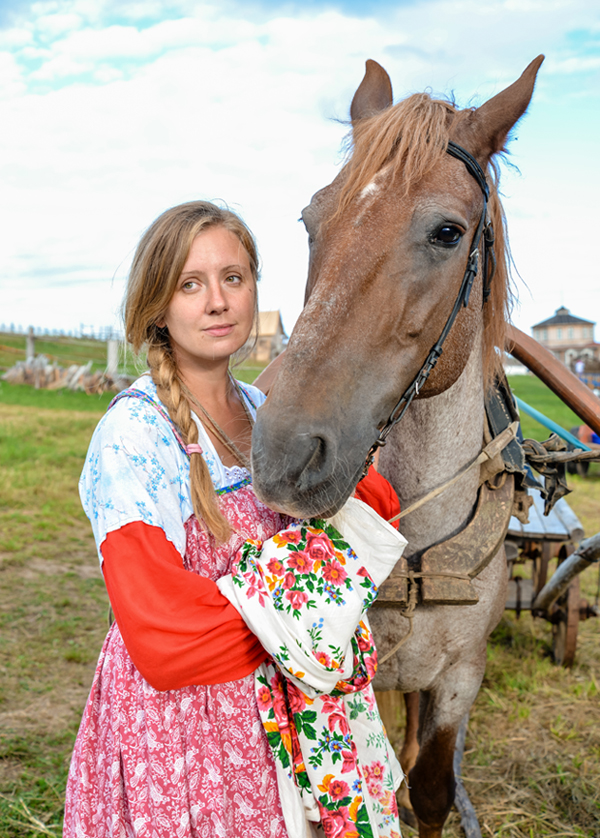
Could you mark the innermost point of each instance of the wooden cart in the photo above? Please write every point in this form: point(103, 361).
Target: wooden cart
point(540, 541)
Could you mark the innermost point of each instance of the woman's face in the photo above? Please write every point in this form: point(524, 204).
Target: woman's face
point(211, 313)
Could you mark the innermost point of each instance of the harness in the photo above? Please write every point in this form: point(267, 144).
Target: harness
point(484, 230)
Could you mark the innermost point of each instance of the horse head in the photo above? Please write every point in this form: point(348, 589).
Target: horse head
point(391, 240)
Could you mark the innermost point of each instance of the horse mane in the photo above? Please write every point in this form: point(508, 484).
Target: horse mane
point(411, 138)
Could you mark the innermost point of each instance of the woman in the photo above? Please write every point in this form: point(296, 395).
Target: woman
point(171, 742)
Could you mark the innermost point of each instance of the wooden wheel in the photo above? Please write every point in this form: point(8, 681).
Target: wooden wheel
point(564, 631)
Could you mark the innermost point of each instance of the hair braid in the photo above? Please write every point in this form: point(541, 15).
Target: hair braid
point(157, 265)
point(204, 500)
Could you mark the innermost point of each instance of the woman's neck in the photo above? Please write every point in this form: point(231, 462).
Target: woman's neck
point(215, 399)
point(210, 385)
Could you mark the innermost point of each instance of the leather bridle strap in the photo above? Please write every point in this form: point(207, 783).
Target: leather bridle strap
point(484, 228)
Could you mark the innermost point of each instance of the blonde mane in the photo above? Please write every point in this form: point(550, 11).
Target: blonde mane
point(411, 138)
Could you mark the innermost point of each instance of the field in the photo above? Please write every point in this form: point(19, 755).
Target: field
point(532, 766)
point(66, 351)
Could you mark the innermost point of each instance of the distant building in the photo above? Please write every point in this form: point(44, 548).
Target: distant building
point(271, 338)
point(569, 338)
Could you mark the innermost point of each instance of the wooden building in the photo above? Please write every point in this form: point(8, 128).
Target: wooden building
point(271, 338)
point(568, 337)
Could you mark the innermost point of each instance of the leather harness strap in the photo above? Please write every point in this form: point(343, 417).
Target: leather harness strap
point(484, 228)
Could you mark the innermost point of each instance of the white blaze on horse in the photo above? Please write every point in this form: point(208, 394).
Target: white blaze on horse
point(392, 275)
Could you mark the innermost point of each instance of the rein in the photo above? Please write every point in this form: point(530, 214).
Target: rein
point(485, 230)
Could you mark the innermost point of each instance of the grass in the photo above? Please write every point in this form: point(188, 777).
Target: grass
point(68, 350)
point(533, 391)
point(63, 350)
point(532, 766)
point(52, 607)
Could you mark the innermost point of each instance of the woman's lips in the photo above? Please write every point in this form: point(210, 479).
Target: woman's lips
point(220, 331)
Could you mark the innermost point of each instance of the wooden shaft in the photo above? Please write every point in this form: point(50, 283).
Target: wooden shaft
point(587, 554)
point(555, 375)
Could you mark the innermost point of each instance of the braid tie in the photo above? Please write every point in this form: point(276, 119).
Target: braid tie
point(168, 387)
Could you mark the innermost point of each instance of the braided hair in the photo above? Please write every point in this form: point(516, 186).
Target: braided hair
point(157, 266)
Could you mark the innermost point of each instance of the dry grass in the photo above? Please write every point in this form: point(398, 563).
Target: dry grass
point(532, 758)
point(52, 611)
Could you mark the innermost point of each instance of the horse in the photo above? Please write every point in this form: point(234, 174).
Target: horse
point(394, 242)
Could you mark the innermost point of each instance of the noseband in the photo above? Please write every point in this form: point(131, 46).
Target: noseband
point(485, 230)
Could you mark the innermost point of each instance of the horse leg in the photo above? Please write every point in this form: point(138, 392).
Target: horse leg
point(408, 756)
point(431, 779)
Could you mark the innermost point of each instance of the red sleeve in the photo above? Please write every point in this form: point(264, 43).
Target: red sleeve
point(177, 626)
point(379, 494)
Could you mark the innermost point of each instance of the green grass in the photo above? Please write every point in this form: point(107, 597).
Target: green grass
point(532, 766)
point(64, 351)
point(530, 389)
point(53, 602)
point(26, 396)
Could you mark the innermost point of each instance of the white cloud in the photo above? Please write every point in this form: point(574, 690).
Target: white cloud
point(15, 38)
point(12, 83)
point(52, 25)
point(240, 109)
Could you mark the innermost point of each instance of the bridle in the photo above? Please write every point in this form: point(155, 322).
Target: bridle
point(485, 230)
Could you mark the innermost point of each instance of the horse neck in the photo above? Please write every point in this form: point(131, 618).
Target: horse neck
point(435, 439)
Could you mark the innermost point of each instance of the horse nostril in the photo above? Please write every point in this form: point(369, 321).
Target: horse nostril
point(319, 454)
point(311, 474)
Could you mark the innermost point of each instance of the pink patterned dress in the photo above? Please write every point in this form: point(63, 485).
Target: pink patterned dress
point(186, 763)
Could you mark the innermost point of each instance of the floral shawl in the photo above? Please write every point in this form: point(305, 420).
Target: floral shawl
point(305, 593)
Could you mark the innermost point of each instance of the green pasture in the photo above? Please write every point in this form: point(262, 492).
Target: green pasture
point(532, 765)
point(66, 351)
point(533, 391)
point(62, 350)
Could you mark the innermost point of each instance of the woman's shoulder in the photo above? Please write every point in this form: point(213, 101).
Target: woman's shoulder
point(136, 415)
point(135, 469)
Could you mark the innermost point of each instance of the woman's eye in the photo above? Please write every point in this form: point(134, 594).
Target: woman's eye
point(233, 279)
point(448, 234)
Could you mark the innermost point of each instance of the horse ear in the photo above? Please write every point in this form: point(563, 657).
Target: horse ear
point(489, 125)
point(373, 94)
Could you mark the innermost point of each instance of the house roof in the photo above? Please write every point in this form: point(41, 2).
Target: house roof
point(269, 323)
point(563, 317)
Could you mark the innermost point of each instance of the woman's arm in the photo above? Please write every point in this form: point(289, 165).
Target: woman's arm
point(177, 626)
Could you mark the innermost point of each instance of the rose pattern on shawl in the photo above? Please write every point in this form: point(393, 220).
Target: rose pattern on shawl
point(311, 725)
point(310, 566)
point(333, 572)
point(311, 563)
point(318, 545)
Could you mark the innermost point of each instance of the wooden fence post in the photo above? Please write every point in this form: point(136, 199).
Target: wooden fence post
point(112, 358)
point(30, 344)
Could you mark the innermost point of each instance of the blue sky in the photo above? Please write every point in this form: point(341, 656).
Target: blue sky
point(113, 111)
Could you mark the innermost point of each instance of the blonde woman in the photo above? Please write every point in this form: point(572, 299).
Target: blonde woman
point(172, 742)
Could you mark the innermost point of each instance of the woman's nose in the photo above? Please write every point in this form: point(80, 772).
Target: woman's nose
point(217, 298)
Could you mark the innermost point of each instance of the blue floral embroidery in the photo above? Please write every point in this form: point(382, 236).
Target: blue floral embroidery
point(137, 467)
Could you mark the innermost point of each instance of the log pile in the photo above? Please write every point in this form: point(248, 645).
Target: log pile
point(40, 372)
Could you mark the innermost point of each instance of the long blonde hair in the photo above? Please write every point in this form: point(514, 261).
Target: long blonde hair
point(157, 266)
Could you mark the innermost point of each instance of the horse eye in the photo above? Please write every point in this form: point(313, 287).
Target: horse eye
point(448, 235)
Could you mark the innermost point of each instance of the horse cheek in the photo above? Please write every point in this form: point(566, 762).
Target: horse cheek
point(457, 349)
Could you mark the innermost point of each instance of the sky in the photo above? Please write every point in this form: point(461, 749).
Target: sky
point(114, 110)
